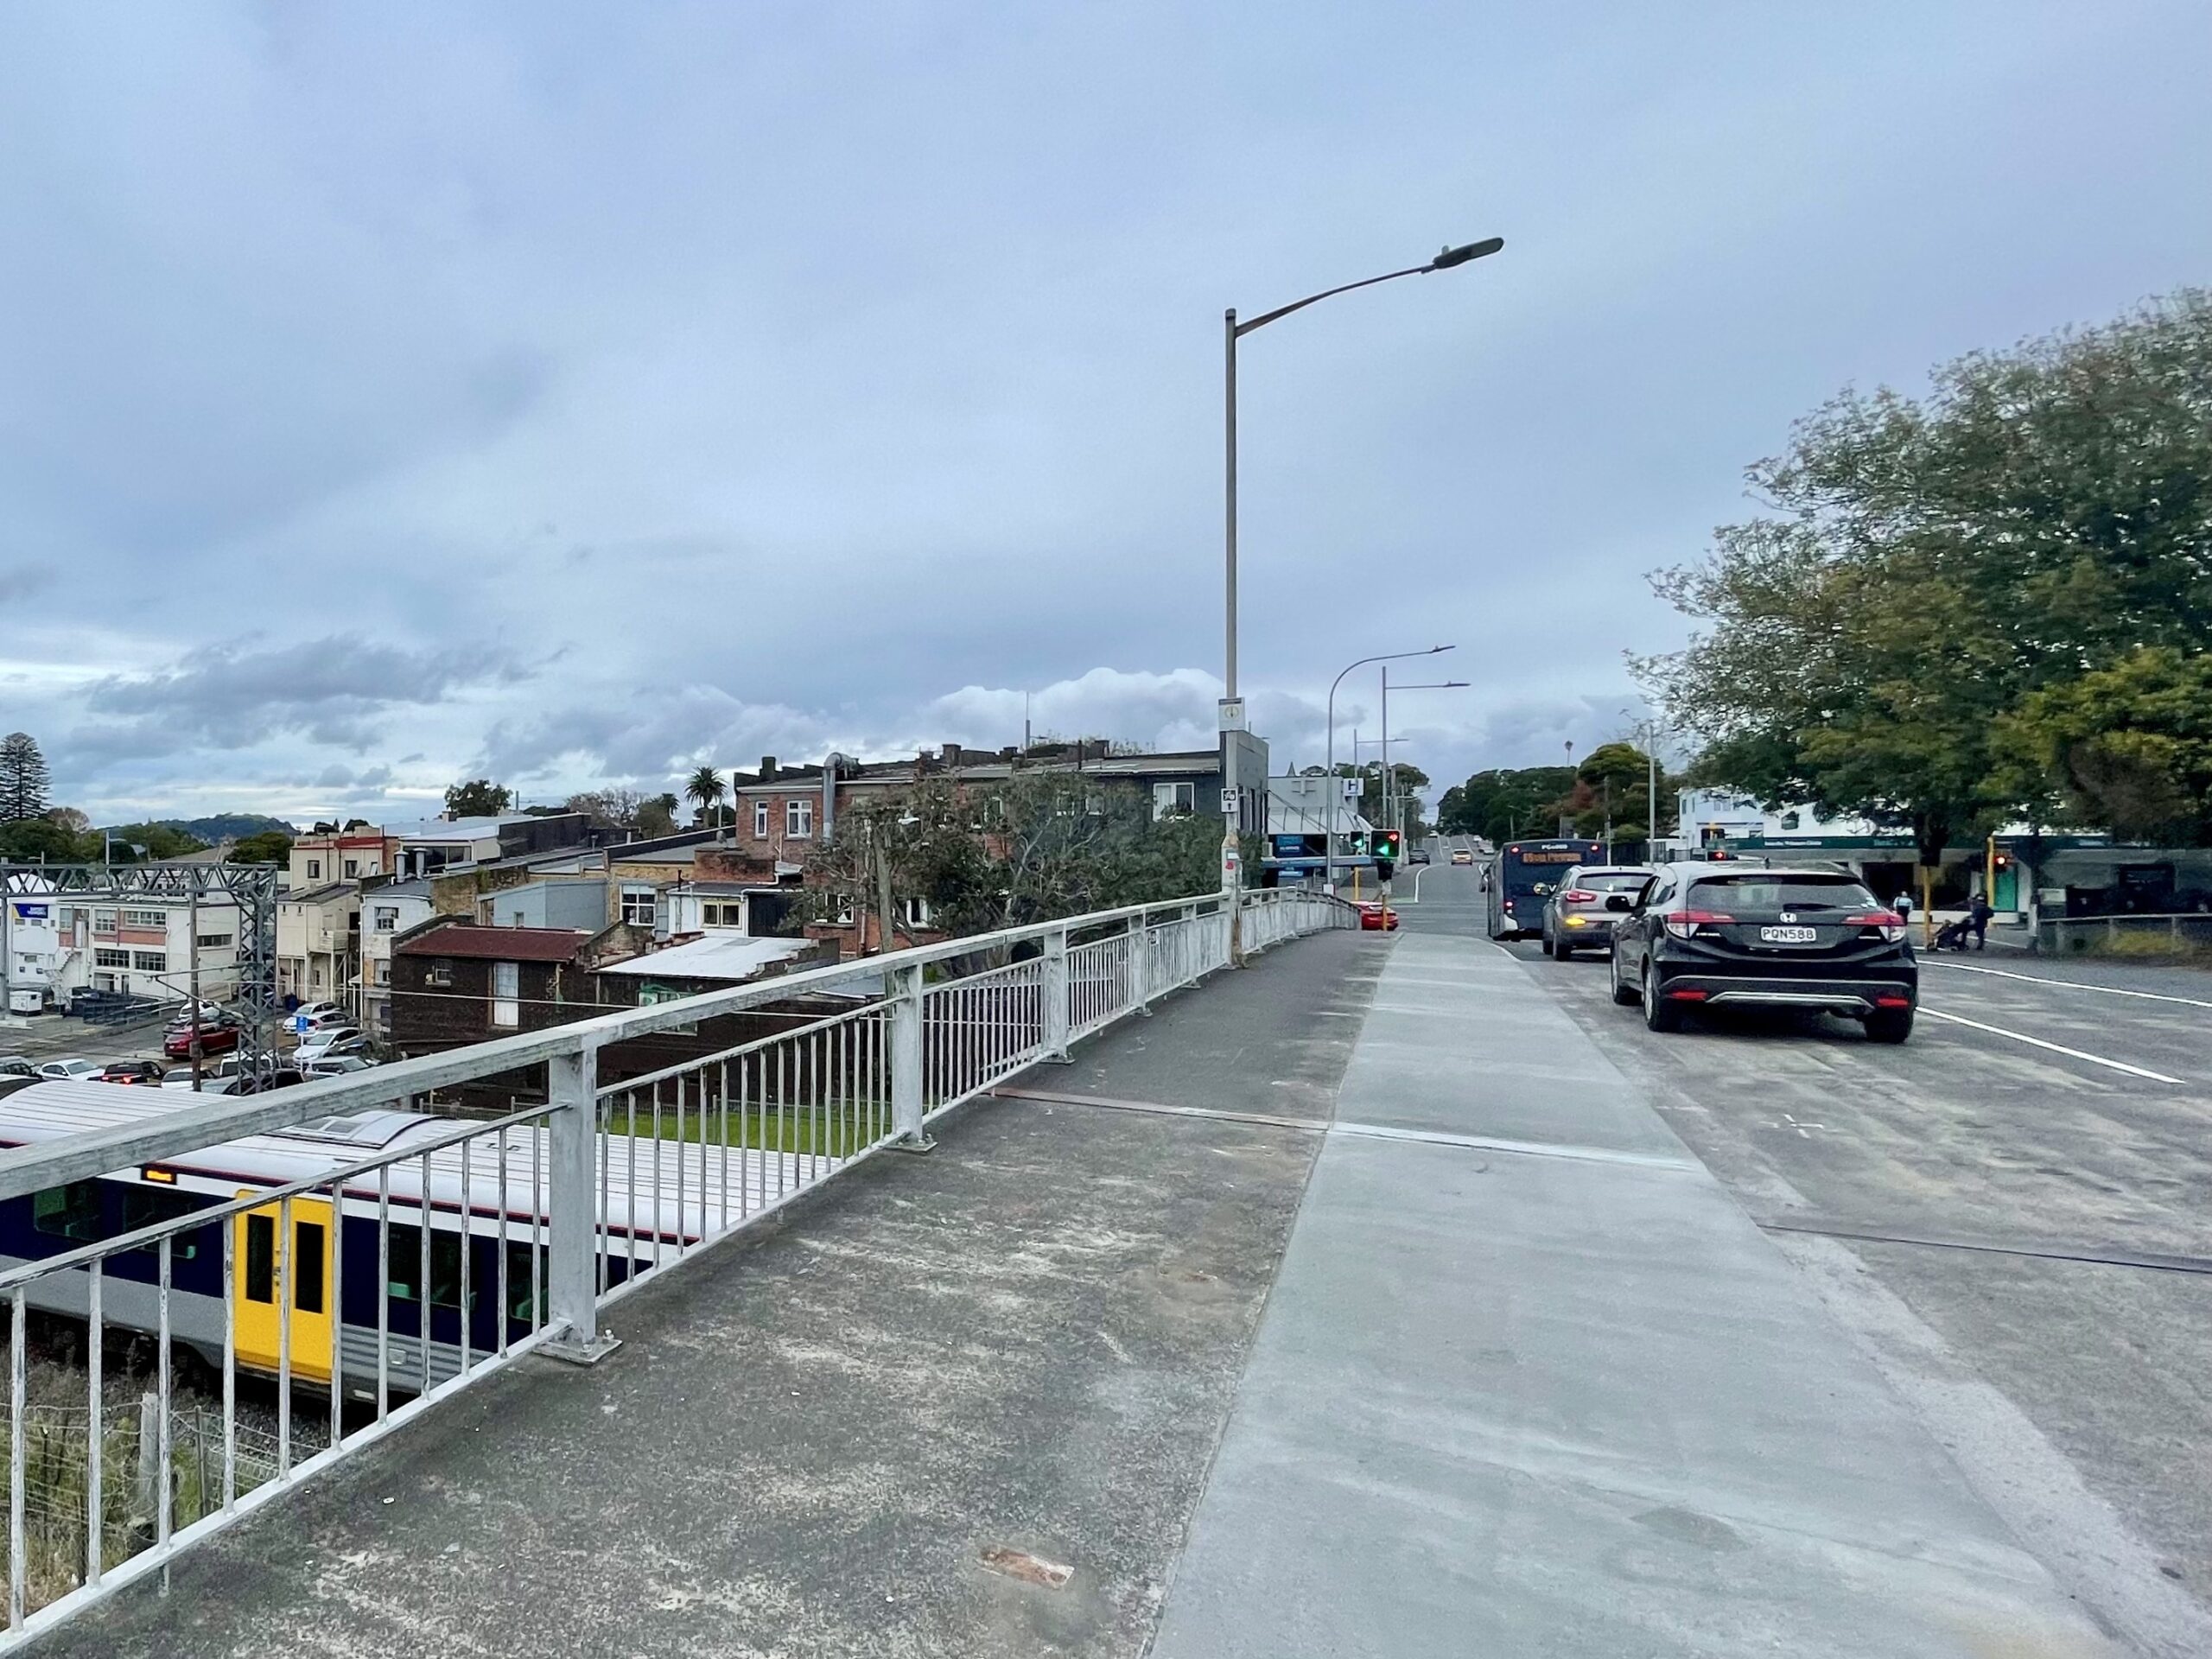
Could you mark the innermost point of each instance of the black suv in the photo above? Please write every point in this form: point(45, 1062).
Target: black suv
point(1730, 935)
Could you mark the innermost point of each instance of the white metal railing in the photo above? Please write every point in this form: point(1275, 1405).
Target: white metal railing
point(471, 1242)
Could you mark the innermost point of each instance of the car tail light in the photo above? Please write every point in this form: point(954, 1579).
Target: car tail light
point(1508, 906)
point(1892, 925)
point(1577, 896)
point(1686, 994)
point(1892, 1001)
point(1685, 923)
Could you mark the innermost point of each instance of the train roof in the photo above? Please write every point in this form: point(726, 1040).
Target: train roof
point(686, 1183)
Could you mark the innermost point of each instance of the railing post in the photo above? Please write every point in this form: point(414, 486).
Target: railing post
point(1058, 991)
point(1141, 963)
point(572, 1287)
point(905, 988)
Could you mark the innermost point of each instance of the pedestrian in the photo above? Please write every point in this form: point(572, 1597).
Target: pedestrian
point(1905, 908)
point(1978, 915)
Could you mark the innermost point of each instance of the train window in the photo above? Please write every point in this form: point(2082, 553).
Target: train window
point(307, 1268)
point(142, 1206)
point(404, 1282)
point(260, 1258)
point(71, 1212)
point(521, 1303)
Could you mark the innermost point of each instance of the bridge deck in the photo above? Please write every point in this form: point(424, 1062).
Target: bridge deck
point(1527, 1382)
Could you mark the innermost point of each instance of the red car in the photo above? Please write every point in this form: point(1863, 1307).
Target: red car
point(176, 1041)
point(1378, 919)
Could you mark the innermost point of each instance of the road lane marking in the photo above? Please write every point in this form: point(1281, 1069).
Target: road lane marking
point(1521, 1148)
point(2055, 1048)
point(2071, 984)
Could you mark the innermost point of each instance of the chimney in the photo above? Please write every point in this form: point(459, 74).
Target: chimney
point(951, 753)
point(767, 768)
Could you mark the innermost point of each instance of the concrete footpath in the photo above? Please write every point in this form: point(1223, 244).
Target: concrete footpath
point(1530, 1383)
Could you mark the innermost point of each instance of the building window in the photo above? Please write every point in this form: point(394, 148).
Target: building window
point(1173, 800)
point(314, 869)
point(506, 993)
point(145, 919)
point(379, 971)
point(353, 868)
point(710, 915)
point(844, 915)
point(103, 919)
point(438, 973)
point(798, 817)
point(759, 820)
point(111, 959)
point(915, 912)
point(638, 906)
point(151, 962)
point(216, 941)
point(387, 917)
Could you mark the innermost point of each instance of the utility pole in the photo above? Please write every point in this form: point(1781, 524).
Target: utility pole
point(191, 932)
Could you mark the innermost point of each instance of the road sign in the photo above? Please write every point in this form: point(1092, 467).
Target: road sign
point(1232, 714)
point(1232, 802)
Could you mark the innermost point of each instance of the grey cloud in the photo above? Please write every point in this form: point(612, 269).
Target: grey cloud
point(21, 581)
point(333, 691)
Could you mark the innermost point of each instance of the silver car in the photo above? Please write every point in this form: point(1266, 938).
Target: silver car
point(1582, 909)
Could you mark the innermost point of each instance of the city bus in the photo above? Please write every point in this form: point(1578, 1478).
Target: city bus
point(1521, 877)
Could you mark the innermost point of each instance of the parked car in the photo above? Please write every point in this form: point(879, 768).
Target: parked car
point(176, 1041)
point(15, 1066)
point(1462, 855)
point(1419, 855)
point(75, 1069)
point(313, 1016)
point(1582, 910)
point(223, 1071)
point(325, 1041)
point(1377, 918)
point(145, 1072)
point(337, 1066)
point(1703, 935)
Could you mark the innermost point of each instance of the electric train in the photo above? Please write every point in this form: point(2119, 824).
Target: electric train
point(656, 1199)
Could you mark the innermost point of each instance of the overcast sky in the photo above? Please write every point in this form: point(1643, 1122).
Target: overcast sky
point(394, 393)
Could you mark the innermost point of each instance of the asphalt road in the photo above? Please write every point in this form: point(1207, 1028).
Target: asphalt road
point(2013, 1211)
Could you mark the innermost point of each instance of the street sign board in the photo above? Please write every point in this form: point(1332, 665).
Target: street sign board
point(1232, 802)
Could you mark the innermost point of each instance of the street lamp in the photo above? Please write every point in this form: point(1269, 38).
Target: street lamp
point(1336, 789)
point(1392, 819)
point(1232, 331)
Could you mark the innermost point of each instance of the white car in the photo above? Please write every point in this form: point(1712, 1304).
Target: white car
point(73, 1069)
point(313, 1016)
point(337, 1066)
point(215, 1076)
point(318, 1043)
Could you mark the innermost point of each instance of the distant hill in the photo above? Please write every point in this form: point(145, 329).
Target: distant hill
point(223, 826)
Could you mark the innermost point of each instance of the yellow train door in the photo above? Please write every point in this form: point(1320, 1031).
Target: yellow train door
point(258, 1308)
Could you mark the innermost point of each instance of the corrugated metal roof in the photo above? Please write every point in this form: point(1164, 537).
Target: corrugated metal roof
point(722, 955)
point(495, 943)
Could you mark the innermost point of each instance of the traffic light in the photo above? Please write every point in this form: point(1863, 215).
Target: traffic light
point(1384, 844)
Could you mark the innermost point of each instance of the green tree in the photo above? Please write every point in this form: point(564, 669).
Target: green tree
point(22, 778)
point(705, 790)
point(1930, 564)
point(657, 817)
point(2126, 748)
point(1502, 803)
point(479, 797)
point(270, 846)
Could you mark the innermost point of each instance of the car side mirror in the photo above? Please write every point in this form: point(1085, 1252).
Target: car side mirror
point(1619, 901)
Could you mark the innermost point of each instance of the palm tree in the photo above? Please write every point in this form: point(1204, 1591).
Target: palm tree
point(707, 790)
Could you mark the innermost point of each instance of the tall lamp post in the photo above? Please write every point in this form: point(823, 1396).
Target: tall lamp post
point(1336, 789)
point(1232, 712)
point(1393, 818)
point(1233, 331)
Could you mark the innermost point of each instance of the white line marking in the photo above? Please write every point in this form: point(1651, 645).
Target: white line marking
point(2071, 984)
point(1523, 1148)
point(2055, 1048)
